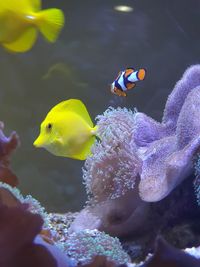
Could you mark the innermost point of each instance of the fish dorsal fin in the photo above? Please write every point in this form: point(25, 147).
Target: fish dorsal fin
point(76, 106)
point(22, 5)
point(24, 42)
point(128, 72)
point(36, 4)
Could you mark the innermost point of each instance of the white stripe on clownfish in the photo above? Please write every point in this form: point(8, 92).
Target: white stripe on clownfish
point(121, 81)
point(133, 77)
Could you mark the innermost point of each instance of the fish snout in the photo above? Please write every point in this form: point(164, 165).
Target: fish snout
point(38, 142)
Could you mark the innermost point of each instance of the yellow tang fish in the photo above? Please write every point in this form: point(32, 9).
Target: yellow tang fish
point(67, 130)
point(20, 21)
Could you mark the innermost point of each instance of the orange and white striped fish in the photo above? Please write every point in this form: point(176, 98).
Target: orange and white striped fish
point(126, 80)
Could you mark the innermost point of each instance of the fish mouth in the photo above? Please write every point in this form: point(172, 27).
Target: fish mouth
point(37, 143)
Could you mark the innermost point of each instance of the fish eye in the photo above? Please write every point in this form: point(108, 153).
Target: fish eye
point(49, 127)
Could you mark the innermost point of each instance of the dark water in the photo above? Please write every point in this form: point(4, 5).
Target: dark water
point(96, 42)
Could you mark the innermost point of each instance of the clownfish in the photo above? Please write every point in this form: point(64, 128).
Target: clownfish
point(126, 80)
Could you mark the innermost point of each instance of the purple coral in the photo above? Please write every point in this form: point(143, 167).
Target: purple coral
point(175, 101)
point(168, 160)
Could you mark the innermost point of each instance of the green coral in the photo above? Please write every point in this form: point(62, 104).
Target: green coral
point(84, 245)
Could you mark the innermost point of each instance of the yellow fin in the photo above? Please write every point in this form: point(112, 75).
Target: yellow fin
point(24, 42)
point(50, 23)
point(20, 6)
point(36, 4)
point(76, 106)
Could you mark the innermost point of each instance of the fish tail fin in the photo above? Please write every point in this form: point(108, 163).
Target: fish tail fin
point(50, 23)
point(141, 74)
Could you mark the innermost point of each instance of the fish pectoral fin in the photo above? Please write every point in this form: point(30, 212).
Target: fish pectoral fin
point(59, 140)
point(130, 86)
point(119, 92)
point(24, 42)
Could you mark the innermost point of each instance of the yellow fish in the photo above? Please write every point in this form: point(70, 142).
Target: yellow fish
point(67, 130)
point(20, 21)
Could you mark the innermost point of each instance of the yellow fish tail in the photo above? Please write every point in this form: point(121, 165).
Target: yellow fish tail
point(50, 23)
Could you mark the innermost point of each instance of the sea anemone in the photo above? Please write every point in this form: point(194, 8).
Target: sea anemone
point(112, 169)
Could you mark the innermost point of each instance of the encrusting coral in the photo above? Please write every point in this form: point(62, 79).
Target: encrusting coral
point(84, 245)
